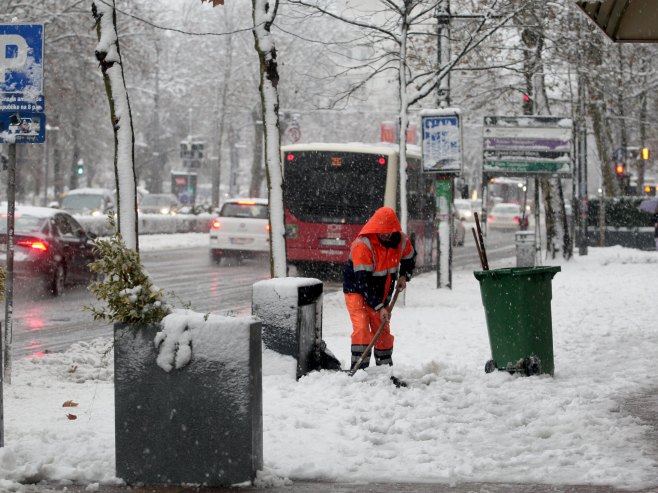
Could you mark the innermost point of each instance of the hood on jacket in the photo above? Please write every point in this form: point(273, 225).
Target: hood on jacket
point(383, 220)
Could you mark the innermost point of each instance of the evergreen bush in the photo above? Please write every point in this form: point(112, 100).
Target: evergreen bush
point(620, 212)
point(123, 284)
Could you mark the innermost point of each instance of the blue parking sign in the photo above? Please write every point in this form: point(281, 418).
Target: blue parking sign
point(21, 58)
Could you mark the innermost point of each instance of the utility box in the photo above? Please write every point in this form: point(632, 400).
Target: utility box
point(525, 248)
point(290, 309)
point(201, 423)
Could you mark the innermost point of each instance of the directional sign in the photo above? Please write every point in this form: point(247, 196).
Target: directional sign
point(442, 141)
point(527, 145)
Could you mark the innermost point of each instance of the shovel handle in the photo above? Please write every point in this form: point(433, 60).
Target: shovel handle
point(365, 353)
point(485, 262)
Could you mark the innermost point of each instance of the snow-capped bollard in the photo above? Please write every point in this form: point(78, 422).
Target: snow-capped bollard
point(188, 400)
point(291, 311)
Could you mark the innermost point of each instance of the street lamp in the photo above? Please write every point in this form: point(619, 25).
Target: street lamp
point(46, 149)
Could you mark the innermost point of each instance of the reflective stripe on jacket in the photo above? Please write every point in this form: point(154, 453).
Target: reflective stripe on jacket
point(373, 267)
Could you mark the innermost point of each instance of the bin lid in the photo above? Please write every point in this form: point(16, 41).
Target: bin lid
point(517, 272)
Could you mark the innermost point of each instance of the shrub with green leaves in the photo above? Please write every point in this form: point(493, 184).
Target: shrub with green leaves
point(124, 286)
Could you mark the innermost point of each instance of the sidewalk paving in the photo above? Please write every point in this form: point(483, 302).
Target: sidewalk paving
point(319, 487)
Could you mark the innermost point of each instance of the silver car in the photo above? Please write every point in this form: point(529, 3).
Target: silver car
point(505, 215)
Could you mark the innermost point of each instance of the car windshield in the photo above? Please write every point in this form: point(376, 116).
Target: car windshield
point(255, 211)
point(82, 202)
point(22, 223)
point(462, 205)
point(506, 209)
point(157, 200)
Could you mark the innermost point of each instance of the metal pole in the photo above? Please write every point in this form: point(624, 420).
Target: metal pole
point(46, 166)
point(443, 50)
point(582, 167)
point(443, 101)
point(9, 282)
point(538, 259)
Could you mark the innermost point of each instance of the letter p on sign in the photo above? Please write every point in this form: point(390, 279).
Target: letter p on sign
point(13, 54)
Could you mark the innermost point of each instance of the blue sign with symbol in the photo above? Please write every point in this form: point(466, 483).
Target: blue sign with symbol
point(23, 127)
point(22, 105)
point(21, 58)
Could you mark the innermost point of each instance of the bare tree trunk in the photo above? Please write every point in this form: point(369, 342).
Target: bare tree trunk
point(264, 13)
point(220, 124)
point(108, 55)
point(257, 163)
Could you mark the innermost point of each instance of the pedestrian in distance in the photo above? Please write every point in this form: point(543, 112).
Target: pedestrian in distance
point(381, 256)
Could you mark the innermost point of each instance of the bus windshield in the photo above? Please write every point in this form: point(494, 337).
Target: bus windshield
point(332, 186)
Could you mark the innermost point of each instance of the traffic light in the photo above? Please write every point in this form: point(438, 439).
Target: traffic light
point(645, 153)
point(80, 168)
point(527, 104)
point(620, 168)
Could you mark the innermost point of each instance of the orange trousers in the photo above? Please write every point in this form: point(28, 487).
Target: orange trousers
point(365, 322)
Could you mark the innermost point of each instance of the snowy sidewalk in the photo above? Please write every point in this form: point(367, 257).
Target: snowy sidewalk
point(454, 426)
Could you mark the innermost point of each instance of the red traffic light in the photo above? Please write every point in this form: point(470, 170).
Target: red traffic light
point(620, 168)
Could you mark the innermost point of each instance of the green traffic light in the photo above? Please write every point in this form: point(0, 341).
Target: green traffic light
point(80, 170)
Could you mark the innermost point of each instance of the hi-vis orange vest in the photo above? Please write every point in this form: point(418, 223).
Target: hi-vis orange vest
point(373, 267)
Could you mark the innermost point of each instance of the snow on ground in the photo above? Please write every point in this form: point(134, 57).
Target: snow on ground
point(454, 423)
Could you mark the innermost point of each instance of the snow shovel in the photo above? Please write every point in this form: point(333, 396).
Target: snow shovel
point(374, 339)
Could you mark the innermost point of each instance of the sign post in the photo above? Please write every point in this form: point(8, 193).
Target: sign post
point(442, 158)
point(22, 120)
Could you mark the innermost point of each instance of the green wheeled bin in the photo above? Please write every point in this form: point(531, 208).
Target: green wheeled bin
point(517, 306)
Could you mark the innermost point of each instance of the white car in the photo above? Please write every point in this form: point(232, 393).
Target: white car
point(241, 230)
point(505, 215)
point(88, 201)
point(464, 210)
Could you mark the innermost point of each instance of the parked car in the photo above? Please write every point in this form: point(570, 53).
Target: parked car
point(464, 210)
point(241, 230)
point(50, 247)
point(505, 215)
point(88, 201)
point(159, 203)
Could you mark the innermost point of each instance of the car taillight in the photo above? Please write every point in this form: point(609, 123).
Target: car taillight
point(216, 224)
point(516, 220)
point(490, 219)
point(33, 244)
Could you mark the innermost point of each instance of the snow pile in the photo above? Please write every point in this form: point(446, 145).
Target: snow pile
point(214, 337)
point(454, 423)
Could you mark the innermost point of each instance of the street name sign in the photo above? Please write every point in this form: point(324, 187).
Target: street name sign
point(442, 141)
point(22, 118)
point(527, 145)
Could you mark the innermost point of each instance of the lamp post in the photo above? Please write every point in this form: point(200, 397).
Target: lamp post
point(49, 130)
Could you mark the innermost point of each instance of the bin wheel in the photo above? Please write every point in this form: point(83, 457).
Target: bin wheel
point(532, 366)
point(489, 366)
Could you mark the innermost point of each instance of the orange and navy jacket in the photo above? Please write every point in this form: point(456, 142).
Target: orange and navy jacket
point(373, 267)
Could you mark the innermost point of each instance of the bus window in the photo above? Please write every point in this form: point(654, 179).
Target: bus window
point(339, 187)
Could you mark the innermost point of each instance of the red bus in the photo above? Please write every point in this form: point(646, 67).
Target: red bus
point(331, 190)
